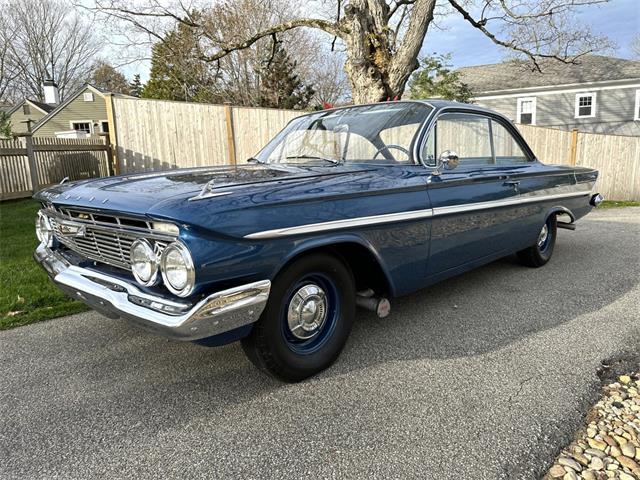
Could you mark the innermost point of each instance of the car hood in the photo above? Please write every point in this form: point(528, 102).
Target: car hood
point(168, 194)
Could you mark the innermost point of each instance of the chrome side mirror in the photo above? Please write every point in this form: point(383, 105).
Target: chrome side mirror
point(448, 160)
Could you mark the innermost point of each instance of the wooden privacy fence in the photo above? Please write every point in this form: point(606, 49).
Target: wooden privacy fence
point(30, 163)
point(159, 135)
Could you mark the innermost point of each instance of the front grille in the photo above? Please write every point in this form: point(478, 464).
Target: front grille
point(107, 243)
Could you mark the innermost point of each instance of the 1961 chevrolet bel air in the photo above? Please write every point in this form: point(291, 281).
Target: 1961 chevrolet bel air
point(343, 208)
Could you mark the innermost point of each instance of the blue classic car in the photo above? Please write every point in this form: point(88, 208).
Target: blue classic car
point(344, 208)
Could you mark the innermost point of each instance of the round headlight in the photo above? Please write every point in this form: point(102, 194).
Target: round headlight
point(177, 268)
point(44, 231)
point(144, 262)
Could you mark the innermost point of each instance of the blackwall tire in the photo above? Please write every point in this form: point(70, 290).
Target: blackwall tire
point(307, 320)
point(540, 252)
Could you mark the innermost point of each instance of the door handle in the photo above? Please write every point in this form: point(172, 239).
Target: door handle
point(512, 183)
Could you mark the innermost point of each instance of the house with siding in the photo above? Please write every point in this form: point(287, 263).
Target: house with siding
point(27, 111)
point(84, 112)
point(597, 94)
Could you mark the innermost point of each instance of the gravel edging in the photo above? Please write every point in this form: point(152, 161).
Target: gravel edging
point(608, 448)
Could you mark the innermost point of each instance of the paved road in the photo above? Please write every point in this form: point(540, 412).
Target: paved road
point(483, 376)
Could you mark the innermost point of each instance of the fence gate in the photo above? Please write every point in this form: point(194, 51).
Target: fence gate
point(29, 164)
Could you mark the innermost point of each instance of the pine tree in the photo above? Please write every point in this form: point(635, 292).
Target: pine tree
point(5, 125)
point(136, 86)
point(281, 87)
point(177, 71)
point(435, 79)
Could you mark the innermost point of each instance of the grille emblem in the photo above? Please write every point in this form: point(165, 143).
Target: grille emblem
point(71, 230)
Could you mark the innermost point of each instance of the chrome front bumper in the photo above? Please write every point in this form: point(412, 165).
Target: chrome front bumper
point(218, 313)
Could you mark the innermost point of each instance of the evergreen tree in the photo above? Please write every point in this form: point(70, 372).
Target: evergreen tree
point(177, 69)
point(108, 79)
point(5, 125)
point(281, 87)
point(435, 79)
point(136, 86)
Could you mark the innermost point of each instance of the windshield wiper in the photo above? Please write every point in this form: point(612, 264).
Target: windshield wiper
point(254, 160)
point(310, 157)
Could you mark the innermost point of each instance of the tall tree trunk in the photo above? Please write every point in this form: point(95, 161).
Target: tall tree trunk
point(377, 69)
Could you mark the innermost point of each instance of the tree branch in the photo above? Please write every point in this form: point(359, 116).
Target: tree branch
point(533, 56)
point(398, 4)
point(226, 49)
point(405, 60)
point(333, 42)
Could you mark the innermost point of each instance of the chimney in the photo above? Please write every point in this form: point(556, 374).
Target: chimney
point(51, 95)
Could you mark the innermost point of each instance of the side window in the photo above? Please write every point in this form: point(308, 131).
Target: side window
point(506, 148)
point(467, 135)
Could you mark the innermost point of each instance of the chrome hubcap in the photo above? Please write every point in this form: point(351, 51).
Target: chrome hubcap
point(307, 311)
point(542, 238)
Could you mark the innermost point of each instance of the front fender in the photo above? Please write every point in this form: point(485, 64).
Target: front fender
point(304, 246)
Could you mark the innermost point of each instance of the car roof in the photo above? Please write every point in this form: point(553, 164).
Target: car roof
point(436, 103)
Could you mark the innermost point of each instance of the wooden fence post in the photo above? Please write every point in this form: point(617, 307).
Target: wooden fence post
point(574, 147)
point(109, 152)
point(112, 138)
point(33, 167)
point(231, 137)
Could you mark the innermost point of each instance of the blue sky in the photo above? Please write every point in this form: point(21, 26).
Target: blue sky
point(619, 20)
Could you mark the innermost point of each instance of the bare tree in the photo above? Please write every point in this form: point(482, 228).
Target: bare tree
point(327, 77)
point(8, 69)
point(383, 38)
point(46, 38)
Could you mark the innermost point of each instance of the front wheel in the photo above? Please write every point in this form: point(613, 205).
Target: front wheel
point(306, 321)
point(540, 252)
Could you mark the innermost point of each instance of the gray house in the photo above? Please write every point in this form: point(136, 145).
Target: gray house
point(598, 94)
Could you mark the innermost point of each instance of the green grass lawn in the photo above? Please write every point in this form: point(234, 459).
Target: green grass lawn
point(26, 293)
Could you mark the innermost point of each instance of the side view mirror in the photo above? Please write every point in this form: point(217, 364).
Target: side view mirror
point(448, 160)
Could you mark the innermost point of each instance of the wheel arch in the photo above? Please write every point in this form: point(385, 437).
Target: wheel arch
point(368, 269)
point(560, 210)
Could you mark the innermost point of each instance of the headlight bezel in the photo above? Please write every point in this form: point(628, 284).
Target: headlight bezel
point(153, 260)
point(48, 241)
point(185, 254)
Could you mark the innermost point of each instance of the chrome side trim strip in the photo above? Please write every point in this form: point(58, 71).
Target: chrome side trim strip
point(338, 224)
point(470, 207)
point(402, 216)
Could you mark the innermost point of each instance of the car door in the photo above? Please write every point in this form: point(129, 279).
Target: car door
point(473, 203)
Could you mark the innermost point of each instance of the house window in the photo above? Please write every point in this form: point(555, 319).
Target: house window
point(636, 111)
point(526, 111)
point(87, 96)
point(81, 126)
point(585, 105)
point(104, 126)
point(26, 110)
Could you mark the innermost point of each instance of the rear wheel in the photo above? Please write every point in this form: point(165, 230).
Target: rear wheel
point(540, 252)
point(306, 321)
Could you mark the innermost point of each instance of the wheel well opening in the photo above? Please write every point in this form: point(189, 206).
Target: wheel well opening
point(364, 266)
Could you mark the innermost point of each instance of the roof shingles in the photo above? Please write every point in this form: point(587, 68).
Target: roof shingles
point(516, 74)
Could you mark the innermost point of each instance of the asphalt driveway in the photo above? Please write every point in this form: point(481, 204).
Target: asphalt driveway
point(482, 376)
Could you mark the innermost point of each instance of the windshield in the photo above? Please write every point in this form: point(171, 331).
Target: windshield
point(380, 133)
